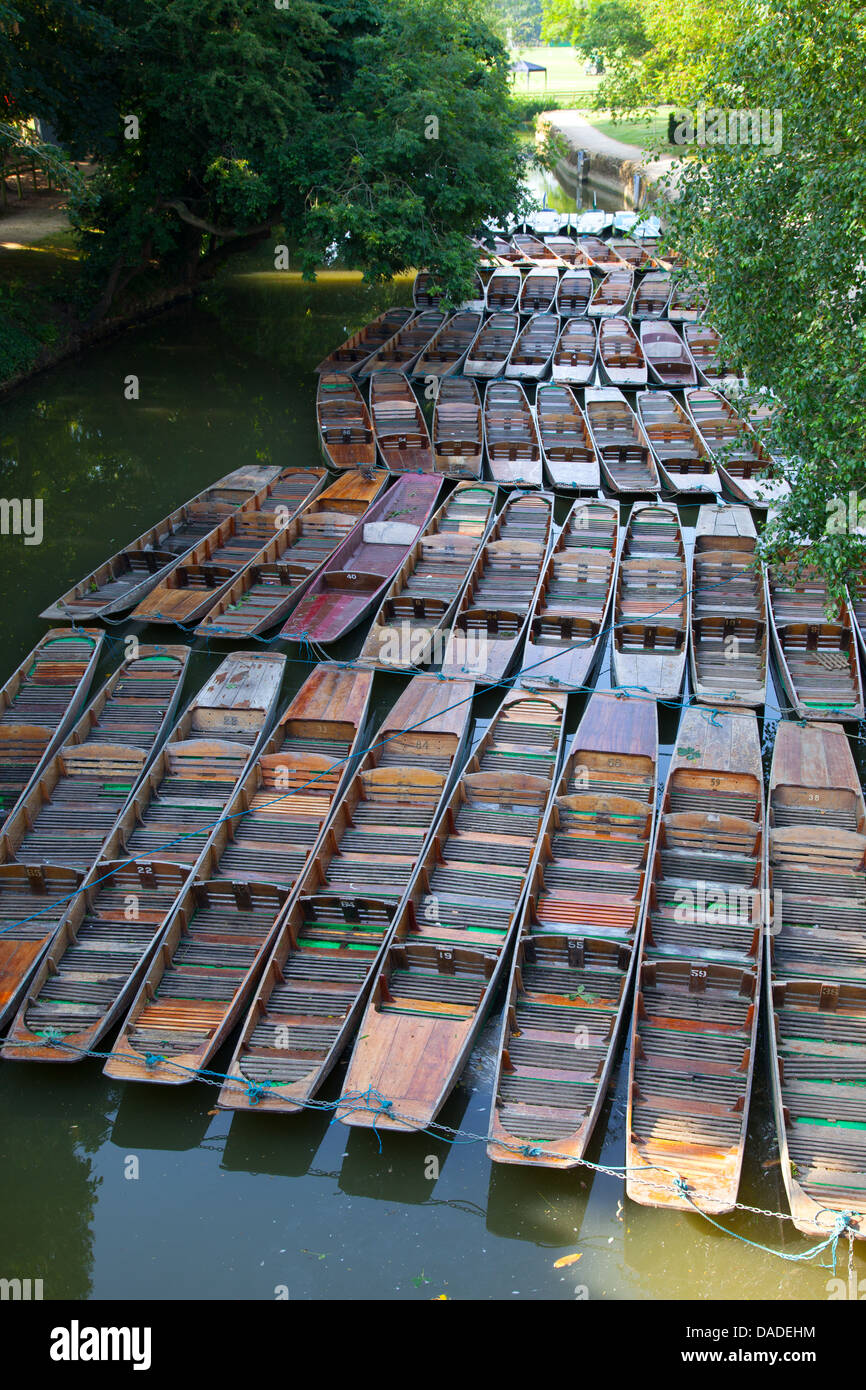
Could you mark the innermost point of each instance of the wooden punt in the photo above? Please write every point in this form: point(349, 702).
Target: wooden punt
point(424, 593)
point(493, 614)
point(599, 254)
point(503, 290)
point(744, 465)
point(421, 296)
point(355, 351)
point(611, 295)
point(354, 579)
point(402, 436)
point(190, 589)
point(697, 1001)
point(39, 703)
point(637, 256)
point(623, 449)
point(684, 462)
point(651, 295)
point(538, 292)
point(508, 253)
point(131, 714)
point(288, 794)
point(445, 353)
point(490, 351)
point(567, 450)
point(448, 949)
point(332, 938)
point(265, 592)
point(94, 961)
point(400, 352)
point(667, 357)
point(707, 352)
point(651, 610)
point(568, 624)
point(688, 301)
point(728, 651)
point(818, 659)
point(511, 436)
point(566, 248)
point(570, 981)
point(815, 974)
point(458, 429)
point(122, 581)
point(574, 293)
point(345, 429)
point(533, 348)
point(573, 361)
point(620, 355)
point(531, 249)
point(213, 951)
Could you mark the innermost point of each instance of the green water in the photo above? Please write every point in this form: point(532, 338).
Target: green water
point(240, 1207)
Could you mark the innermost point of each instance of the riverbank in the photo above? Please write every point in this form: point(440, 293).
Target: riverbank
point(611, 164)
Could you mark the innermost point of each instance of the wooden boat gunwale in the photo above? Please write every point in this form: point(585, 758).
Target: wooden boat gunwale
point(408, 564)
point(277, 1098)
point(421, 366)
point(275, 553)
point(567, 1152)
point(60, 731)
point(148, 540)
point(811, 710)
point(371, 1115)
point(545, 681)
point(356, 339)
point(695, 734)
point(392, 497)
point(23, 1043)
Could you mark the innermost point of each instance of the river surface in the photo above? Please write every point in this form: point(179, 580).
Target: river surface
point(255, 1206)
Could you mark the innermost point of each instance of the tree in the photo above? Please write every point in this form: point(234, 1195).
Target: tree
point(379, 127)
point(778, 232)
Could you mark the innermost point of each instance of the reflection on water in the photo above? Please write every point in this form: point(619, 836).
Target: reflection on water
point(238, 1206)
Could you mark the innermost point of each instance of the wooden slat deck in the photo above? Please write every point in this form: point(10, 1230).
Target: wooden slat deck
point(493, 612)
point(39, 703)
point(423, 594)
point(402, 437)
point(345, 430)
point(696, 1009)
point(744, 465)
point(667, 358)
point(268, 589)
point(574, 293)
point(357, 348)
point(567, 448)
point(651, 612)
point(330, 941)
point(611, 295)
point(818, 658)
point(530, 356)
point(511, 436)
point(400, 352)
point(489, 353)
point(451, 938)
point(503, 290)
point(622, 446)
point(569, 980)
point(729, 639)
point(123, 580)
point(817, 977)
point(569, 617)
point(685, 464)
point(651, 295)
point(445, 352)
point(538, 292)
point(573, 361)
point(620, 354)
point(458, 429)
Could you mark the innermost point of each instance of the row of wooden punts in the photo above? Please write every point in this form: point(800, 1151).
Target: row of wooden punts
point(306, 880)
point(575, 440)
point(633, 350)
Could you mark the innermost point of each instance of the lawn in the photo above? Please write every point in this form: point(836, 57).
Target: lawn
point(565, 75)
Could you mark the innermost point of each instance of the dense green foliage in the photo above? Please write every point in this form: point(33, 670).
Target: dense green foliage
point(780, 238)
point(521, 18)
point(380, 129)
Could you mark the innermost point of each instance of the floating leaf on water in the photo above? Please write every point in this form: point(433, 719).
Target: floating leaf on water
point(567, 1260)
